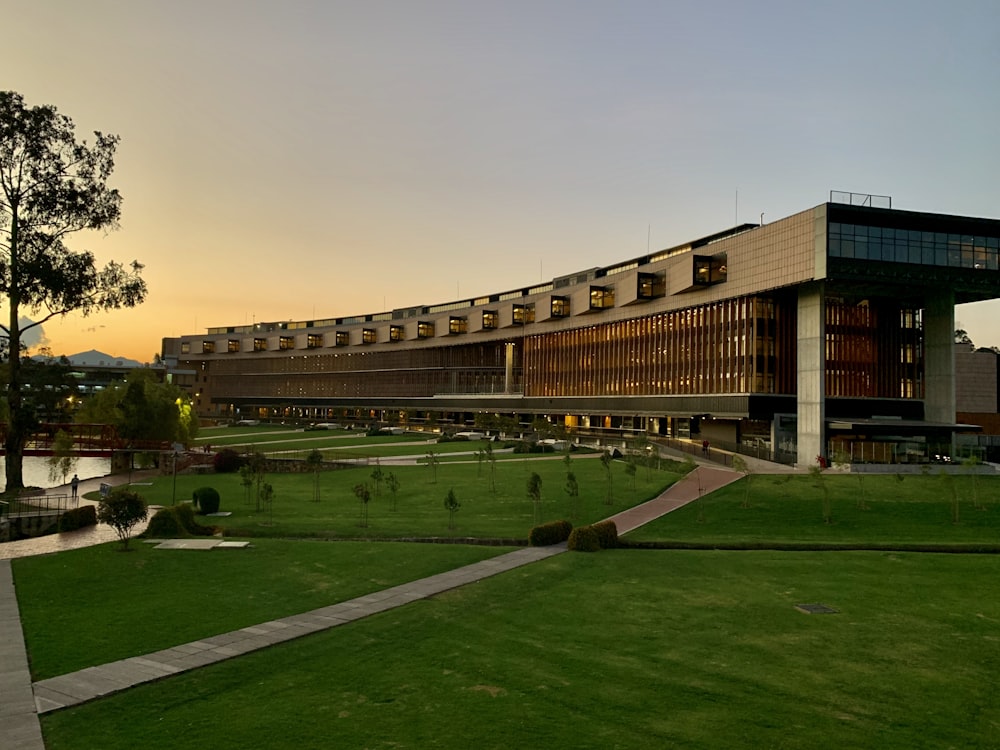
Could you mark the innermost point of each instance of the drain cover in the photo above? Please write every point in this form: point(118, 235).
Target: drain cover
point(816, 609)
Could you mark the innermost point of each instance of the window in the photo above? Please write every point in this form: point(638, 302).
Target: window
point(368, 336)
point(260, 345)
point(425, 330)
point(286, 342)
point(343, 338)
point(491, 320)
point(649, 286)
point(208, 347)
point(314, 340)
point(396, 333)
point(233, 346)
point(602, 297)
point(709, 269)
point(457, 325)
point(560, 307)
point(185, 347)
point(524, 314)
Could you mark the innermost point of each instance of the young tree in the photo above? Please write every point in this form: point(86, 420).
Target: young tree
point(573, 490)
point(606, 463)
point(315, 462)
point(432, 462)
point(740, 464)
point(51, 186)
point(377, 477)
point(452, 505)
point(392, 482)
point(267, 498)
point(820, 482)
point(535, 495)
point(363, 494)
point(122, 510)
point(63, 459)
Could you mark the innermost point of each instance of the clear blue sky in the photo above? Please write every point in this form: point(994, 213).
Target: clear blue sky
point(301, 160)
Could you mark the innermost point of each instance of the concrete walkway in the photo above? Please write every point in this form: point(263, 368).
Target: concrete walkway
point(21, 701)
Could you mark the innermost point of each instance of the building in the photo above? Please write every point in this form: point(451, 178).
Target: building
point(977, 396)
point(828, 331)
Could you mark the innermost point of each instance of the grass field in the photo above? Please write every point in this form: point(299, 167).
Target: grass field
point(629, 648)
point(505, 512)
point(90, 606)
point(790, 508)
point(620, 649)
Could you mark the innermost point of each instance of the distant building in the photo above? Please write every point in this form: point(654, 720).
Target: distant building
point(827, 332)
point(977, 396)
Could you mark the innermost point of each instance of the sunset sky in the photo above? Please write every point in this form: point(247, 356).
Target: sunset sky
point(297, 160)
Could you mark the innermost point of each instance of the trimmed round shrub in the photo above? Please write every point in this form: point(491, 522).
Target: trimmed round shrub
point(584, 539)
point(206, 499)
point(166, 524)
point(550, 533)
point(176, 521)
point(227, 461)
point(78, 518)
point(607, 533)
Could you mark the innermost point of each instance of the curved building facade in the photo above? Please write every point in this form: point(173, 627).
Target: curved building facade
point(828, 330)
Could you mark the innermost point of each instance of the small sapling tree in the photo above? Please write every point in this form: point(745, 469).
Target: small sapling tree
point(364, 495)
point(432, 462)
point(122, 510)
point(740, 464)
point(377, 477)
point(573, 490)
point(62, 460)
point(315, 462)
point(606, 464)
point(452, 505)
point(535, 495)
point(392, 483)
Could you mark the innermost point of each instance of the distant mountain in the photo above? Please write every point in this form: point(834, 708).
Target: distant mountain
point(94, 358)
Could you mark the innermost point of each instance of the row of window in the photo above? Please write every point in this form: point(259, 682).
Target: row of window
point(912, 246)
point(707, 270)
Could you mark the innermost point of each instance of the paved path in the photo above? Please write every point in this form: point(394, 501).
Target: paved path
point(21, 701)
point(86, 537)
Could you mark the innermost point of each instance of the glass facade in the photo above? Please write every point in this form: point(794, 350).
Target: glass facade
point(744, 345)
point(862, 242)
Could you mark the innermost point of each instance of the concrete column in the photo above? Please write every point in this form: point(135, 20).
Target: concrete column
point(939, 357)
point(811, 369)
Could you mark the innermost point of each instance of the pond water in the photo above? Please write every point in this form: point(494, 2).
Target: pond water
point(36, 471)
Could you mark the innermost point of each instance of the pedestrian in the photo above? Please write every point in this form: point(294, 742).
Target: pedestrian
point(704, 447)
point(74, 483)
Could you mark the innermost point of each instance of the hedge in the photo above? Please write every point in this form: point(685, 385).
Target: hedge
point(550, 533)
point(78, 518)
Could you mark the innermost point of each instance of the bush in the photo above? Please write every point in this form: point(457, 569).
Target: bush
point(227, 461)
point(206, 499)
point(176, 521)
point(122, 510)
point(584, 539)
point(607, 533)
point(78, 518)
point(550, 533)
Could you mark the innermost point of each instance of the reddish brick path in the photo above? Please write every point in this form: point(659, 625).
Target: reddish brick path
point(701, 481)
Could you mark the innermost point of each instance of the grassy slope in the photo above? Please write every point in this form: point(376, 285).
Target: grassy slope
point(621, 649)
point(90, 606)
point(506, 513)
point(788, 508)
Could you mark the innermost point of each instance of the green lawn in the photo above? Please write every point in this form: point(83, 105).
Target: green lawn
point(619, 649)
point(90, 606)
point(789, 508)
point(504, 513)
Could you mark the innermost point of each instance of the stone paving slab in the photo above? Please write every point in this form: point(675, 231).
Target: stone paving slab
point(19, 727)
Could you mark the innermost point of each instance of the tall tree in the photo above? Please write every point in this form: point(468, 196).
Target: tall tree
point(52, 186)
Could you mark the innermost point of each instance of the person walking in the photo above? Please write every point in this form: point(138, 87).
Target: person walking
point(74, 484)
